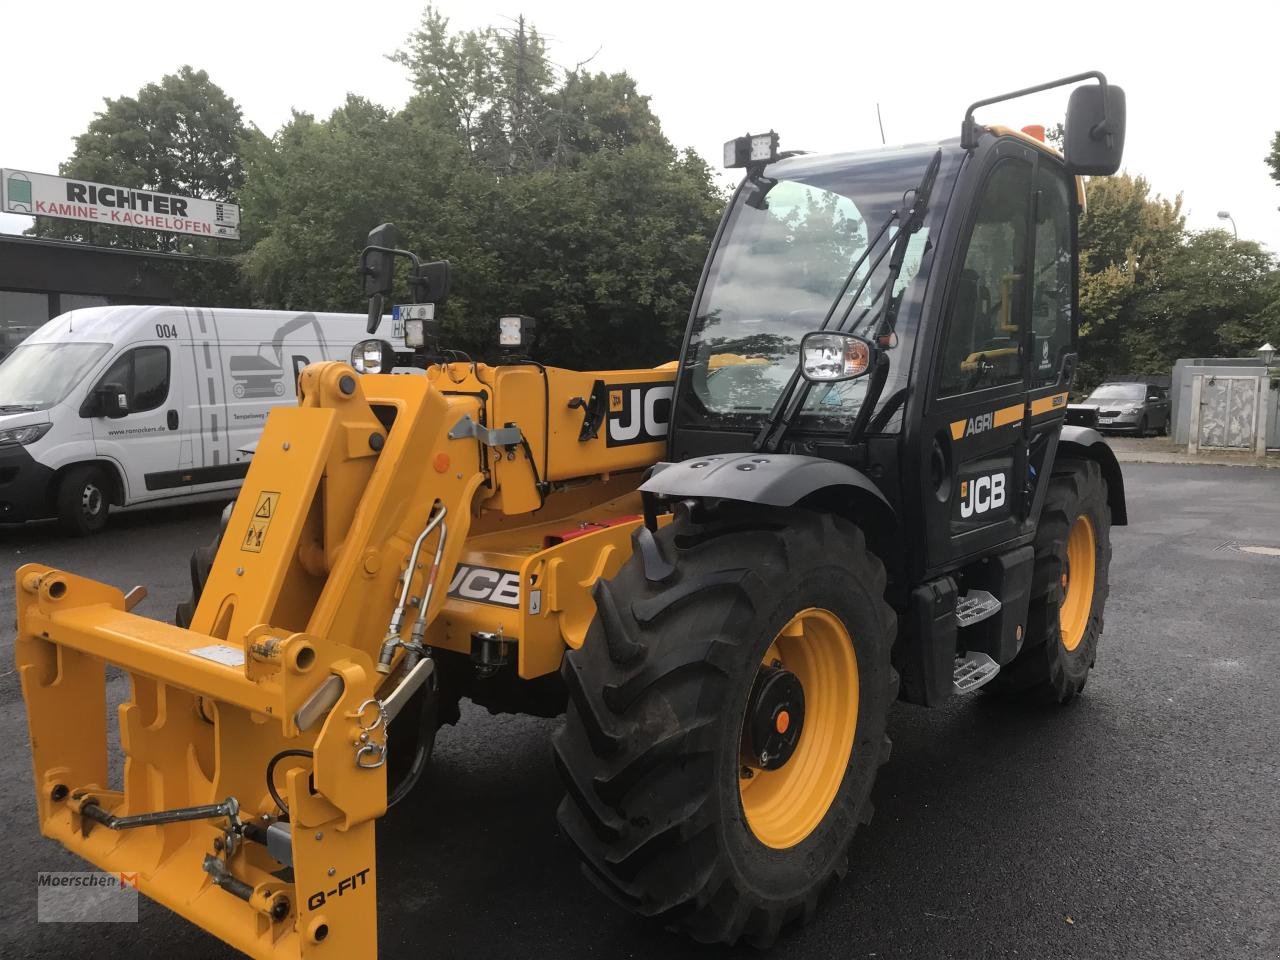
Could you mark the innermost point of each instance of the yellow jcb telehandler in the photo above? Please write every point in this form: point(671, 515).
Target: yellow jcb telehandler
point(722, 571)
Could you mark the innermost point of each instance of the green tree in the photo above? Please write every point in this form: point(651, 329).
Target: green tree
point(1126, 234)
point(1204, 302)
point(553, 194)
point(182, 135)
point(497, 89)
point(1273, 158)
point(1150, 292)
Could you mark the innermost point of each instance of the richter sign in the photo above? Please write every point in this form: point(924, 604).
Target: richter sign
point(38, 194)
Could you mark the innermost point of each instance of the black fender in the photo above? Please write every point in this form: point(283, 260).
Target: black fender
point(784, 480)
point(1084, 442)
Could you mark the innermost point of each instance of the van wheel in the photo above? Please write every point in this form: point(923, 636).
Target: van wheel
point(82, 500)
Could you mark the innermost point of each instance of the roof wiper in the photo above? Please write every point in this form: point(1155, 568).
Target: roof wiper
point(792, 399)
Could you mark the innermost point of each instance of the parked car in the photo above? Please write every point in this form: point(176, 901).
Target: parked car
point(1138, 408)
point(115, 406)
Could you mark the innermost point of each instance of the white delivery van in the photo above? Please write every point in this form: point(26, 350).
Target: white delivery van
point(149, 404)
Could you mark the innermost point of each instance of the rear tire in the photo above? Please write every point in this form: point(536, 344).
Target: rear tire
point(651, 750)
point(1068, 589)
point(201, 563)
point(82, 501)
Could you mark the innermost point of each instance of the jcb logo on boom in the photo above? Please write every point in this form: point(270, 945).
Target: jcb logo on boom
point(639, 413)
point(981, 494)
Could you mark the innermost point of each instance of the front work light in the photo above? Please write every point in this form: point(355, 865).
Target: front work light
point(830, 357)
point(761, 148)
point(516, 333)
point(373, 356)
point(419, 320)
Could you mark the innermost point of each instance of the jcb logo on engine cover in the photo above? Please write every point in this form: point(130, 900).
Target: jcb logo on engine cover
point(982, 494)
point(486, 585)
point(639, 413)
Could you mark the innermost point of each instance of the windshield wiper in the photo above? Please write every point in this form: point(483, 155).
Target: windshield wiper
point(17, 408)
point(791, 401)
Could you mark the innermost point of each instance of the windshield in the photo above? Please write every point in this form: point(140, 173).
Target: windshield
point(779, 265)
point(38, 375)
point(1120, 391)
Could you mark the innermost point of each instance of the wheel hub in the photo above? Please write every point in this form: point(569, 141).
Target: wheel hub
point(91, 500)
point(798, 728)
point(775, 718)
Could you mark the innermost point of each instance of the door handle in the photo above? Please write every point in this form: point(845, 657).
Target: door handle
point(172, 418)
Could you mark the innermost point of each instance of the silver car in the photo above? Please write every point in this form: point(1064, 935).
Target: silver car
point(1141, 409)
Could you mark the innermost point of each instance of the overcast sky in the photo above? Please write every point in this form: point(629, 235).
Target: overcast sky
point(1203, 90)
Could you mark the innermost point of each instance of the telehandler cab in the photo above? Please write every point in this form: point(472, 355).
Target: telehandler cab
point(856, 485)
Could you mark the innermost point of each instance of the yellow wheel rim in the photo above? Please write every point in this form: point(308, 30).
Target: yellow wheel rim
point(785, 805)
point(1077, 582)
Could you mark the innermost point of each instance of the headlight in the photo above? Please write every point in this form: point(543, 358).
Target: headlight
point(373, 356)
point(829, 357)
point(29, 433)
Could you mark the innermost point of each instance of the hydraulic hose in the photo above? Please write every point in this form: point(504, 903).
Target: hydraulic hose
point(425, 744)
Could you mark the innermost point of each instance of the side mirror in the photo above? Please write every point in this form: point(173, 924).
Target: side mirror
point(1094, 140)
point(827, 357)
point(431, 284)
point(110, 400)
point(379, 266)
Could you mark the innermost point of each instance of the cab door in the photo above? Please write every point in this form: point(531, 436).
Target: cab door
point(974, 445)
point(145, 442)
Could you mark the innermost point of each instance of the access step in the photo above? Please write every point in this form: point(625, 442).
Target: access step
point(974, 607)
point(973, 670)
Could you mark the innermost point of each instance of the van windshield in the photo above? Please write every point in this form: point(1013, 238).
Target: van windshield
point(36, 376)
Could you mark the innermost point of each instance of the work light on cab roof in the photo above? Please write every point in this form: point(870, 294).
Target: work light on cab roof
point(753, 149)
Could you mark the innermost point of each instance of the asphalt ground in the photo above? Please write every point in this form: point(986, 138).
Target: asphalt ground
point(1143, 820)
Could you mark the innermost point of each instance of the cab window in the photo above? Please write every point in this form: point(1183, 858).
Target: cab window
point(1051, 283)
point(144, 374)
point(983, 344)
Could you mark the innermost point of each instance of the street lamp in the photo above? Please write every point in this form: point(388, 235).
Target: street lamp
point(1266, 352)
point(1226, 215)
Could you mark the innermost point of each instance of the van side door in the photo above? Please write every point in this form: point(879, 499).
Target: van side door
point(143, 442)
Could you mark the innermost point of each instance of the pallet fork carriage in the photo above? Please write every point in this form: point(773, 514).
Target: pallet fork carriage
point(722, 571)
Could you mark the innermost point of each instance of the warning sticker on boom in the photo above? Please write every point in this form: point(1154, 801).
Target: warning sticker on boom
point(263, 511)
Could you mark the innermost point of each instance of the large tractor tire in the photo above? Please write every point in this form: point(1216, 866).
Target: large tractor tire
point(1068, 589)
point(727, 719)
